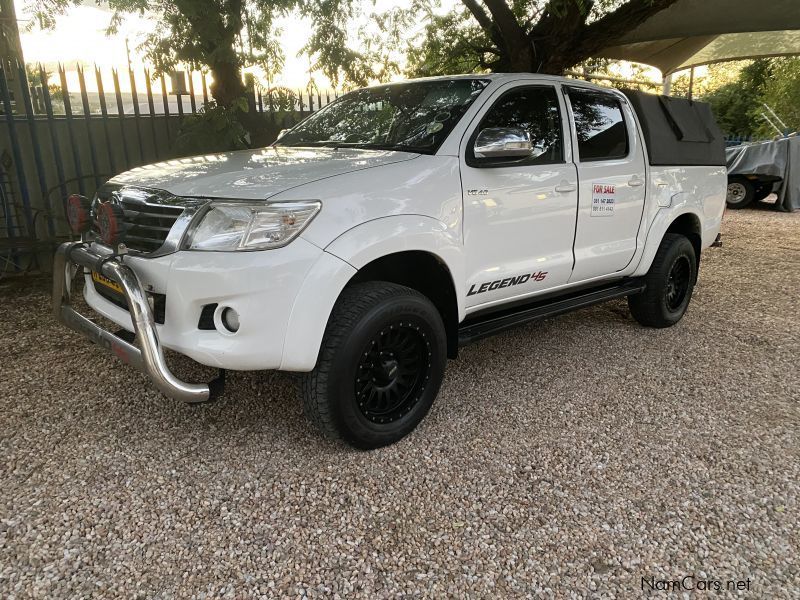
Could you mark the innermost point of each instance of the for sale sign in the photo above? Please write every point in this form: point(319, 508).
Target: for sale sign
point(604, 197)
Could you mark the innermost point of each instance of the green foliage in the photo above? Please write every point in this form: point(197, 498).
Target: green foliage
point(45, 12)
point(637, 79)
point(213, 129)
point(202, 33)
point(354, 49)
point(35, 80)
point(708, 79)
point(332, 50)
point(738, 101)
point(279, 99)
point(737, 104)
point(452, 43)
point(451, 40)
point(547, 36)
point(782, 93)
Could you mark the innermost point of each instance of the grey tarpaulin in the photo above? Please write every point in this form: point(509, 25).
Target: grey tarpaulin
point(780, 158)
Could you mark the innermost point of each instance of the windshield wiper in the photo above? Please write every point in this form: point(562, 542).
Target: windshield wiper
point(364, 145)
point(299, 144)
point(392, 147)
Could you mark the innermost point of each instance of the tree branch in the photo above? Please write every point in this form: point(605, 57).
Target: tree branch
point(614, 25)
point(559, 22)
point(515, 42)
point(485, 21)
point(505, 19)
point(480, 15)
point(483, 49)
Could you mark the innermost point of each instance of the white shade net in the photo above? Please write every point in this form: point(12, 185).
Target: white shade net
point(698, 32)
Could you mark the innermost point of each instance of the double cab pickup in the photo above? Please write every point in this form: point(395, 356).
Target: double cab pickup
point(394, 225)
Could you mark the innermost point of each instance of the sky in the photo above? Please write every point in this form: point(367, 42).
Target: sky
point(80, 36)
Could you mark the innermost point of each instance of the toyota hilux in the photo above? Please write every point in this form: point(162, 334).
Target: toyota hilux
point(391, 227)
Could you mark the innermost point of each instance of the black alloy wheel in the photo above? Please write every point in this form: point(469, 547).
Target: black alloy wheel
point(380, 365)
point(668, 284)
point(680, 277)
point(392, 373)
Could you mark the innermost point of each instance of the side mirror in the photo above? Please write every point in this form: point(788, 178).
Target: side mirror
point(503, 142)
point(282, 133)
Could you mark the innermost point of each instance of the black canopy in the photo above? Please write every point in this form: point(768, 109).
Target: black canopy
point(678, 131)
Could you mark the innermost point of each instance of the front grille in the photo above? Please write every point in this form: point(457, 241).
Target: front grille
point(147, 225)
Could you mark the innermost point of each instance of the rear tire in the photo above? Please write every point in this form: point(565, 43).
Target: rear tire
point(741, 192)
point(670, 282)
point(380, 365)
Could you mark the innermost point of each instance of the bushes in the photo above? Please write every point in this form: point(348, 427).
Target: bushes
point(217, 128)
point(213, 129)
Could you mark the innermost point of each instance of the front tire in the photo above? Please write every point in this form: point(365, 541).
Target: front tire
point(670, 282)
point(380, 365)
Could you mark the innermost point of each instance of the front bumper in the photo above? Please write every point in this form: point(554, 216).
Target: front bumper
point(146, 354)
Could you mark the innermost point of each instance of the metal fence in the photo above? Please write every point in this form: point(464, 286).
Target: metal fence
point(737, 140)
point(57, 141)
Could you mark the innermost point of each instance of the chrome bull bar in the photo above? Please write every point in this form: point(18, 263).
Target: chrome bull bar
point(146, 354)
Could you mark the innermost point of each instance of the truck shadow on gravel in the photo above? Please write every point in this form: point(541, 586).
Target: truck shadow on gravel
point(267, 403)
point(262, 410)
point(262, 404)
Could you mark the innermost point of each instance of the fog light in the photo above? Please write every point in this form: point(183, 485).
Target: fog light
point(110, 222)
point(230, 319)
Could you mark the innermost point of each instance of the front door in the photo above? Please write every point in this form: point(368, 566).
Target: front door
point(519, 214)
point(611, 169)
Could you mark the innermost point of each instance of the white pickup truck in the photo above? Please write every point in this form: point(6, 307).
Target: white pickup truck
point(393, 226)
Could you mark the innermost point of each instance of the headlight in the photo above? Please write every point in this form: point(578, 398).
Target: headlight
point(251, 226)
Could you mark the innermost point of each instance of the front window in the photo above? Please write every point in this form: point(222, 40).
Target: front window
point(533, 109)
point(411, 117)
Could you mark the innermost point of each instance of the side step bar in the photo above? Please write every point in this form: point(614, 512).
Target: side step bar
point(474, 329)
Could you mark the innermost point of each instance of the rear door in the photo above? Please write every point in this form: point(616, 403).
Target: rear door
point(611, 174)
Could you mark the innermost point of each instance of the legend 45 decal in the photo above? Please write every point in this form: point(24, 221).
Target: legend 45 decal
point(480, 288)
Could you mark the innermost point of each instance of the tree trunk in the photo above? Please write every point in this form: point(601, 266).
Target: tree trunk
point(544, 56)
point(228, 88)
point(228, 85)
point(560, 39)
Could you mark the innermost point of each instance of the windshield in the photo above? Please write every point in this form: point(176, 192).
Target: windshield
point(411, 117)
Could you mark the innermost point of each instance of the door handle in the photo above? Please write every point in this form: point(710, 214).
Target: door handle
point(635, 181)
point(565, 187)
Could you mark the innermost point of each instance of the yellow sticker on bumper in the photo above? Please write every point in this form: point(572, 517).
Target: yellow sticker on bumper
point(103, 280)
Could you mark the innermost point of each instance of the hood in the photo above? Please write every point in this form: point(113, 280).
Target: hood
point(254, 174)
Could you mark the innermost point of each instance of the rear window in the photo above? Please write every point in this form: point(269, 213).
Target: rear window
point(599, 125)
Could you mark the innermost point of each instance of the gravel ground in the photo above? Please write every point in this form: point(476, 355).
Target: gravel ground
point(573, 458)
